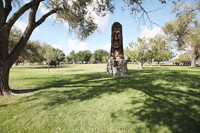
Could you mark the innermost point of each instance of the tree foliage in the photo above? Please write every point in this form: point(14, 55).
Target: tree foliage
point(140, 50)
point(185, 29)
point(129, 55)
point(73, 56)
point(31, 52)
point(160, 51)
point(99, 54)
point(84, 55)
point(59, 56)
point(105, 59)
point(185, 57)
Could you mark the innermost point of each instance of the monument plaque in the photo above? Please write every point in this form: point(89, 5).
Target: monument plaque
point(117, 65)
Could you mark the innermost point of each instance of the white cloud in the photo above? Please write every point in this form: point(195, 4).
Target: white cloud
point(72, 44)
point(62, 47)
point(27, 1)
point(43, 9)
point(178, 52)
point(105, 47)
point(58, 46)
point(22, 26)
point(150, 33)
point(68, 45)
point(101, 21)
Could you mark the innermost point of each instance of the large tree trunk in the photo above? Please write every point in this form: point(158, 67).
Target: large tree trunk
point(141, 65)
point(5, 63)
point(193, 63)
point(4, 79)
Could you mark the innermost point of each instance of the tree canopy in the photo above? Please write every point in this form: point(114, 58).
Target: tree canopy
point(99, 54)
point(140, 50)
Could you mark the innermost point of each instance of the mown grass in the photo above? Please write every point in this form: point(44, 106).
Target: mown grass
point(82, 98)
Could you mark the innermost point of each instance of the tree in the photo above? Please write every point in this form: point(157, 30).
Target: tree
point(59, 56)
point(105, 58)
point(49, 54)
point(68, 59)
point(185, 29)
point(14, 37)
point(150, 56)
point(92, 59)
point(73, 56)
point(140, 50)
point(129, 55)
point(194, 44)
point(34, 50)
point(83, 55)
point(87, 55)
point(31, 52)
point(98, 54)
point(184, 57)
point(75, 13)
point(159, 49)
point(80, 56)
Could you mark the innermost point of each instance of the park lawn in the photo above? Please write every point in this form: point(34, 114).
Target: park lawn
point(82, 98)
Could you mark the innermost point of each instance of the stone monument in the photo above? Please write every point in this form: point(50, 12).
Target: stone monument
point(117, 65)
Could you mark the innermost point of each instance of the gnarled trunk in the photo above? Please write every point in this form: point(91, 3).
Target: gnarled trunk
point(193, 63)
point(4, 79)
point(141, 65)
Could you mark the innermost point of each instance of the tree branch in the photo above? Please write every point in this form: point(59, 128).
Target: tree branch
point(33, 13)
point(7, 8)
point(42, 19)
point(18, 13)
point(146, 13)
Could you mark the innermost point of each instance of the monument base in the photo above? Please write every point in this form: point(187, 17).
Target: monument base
point(117, 67)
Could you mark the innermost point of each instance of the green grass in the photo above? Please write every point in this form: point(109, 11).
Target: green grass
point(82, 98)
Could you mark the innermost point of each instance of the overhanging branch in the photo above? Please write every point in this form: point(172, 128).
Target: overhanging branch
point(18, 13)
point(145, 13)
point(42, 19)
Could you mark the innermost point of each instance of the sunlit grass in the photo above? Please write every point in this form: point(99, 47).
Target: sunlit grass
point(82, 98)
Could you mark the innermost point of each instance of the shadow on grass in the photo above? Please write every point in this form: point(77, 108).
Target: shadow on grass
point(173, 103)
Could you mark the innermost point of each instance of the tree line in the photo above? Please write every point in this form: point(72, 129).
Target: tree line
point(35, 51)
point(149, 50)
point(98, 56)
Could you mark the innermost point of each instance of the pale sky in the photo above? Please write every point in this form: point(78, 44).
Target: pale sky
point(56, 34)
